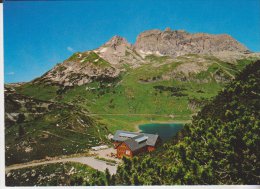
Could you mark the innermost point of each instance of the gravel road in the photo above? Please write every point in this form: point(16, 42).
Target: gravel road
point(90, 161)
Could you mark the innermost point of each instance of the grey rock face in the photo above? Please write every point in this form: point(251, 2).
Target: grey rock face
point(179, 42)
point(118, 52)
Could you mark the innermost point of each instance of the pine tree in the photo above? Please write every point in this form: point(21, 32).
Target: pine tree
point(21, 131)
point(108, 177)
point(113, 180)
point(135, 179)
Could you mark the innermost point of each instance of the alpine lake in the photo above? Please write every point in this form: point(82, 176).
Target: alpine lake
point(164, 130)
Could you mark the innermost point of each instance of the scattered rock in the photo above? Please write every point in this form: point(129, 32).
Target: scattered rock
point(28, 149)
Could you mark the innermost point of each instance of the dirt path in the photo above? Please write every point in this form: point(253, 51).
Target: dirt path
point(90, 161)
point(225, 70)
point(49, 133)
point(157, 115)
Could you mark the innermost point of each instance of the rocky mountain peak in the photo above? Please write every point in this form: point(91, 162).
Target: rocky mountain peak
point(168, 29)
point(117, 51)
point(179, 42)
point(117, 41)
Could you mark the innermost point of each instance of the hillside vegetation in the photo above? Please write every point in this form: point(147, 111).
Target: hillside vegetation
point(221, 146)
point(58, 174)
point(35, 126)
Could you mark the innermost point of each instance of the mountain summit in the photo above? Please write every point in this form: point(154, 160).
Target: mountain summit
point(179, 42)
point(117, 41)
point(118, 51)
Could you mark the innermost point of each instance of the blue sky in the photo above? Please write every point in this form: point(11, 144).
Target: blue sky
point(38, 35)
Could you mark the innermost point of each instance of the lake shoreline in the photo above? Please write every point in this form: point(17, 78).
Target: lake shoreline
point(165, 130)
point(137, 129)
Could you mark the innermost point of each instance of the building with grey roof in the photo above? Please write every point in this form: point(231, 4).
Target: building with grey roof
point(131, 143)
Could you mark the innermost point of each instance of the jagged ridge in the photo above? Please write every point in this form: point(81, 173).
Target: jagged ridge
point(179, 42)
point(112, 58)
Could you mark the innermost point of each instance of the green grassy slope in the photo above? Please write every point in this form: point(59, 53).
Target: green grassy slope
point(38, 91)
point(89, 57)
point(152, 92)
point(144, 91)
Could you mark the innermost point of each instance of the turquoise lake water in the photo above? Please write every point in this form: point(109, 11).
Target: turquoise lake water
point(164, 130)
